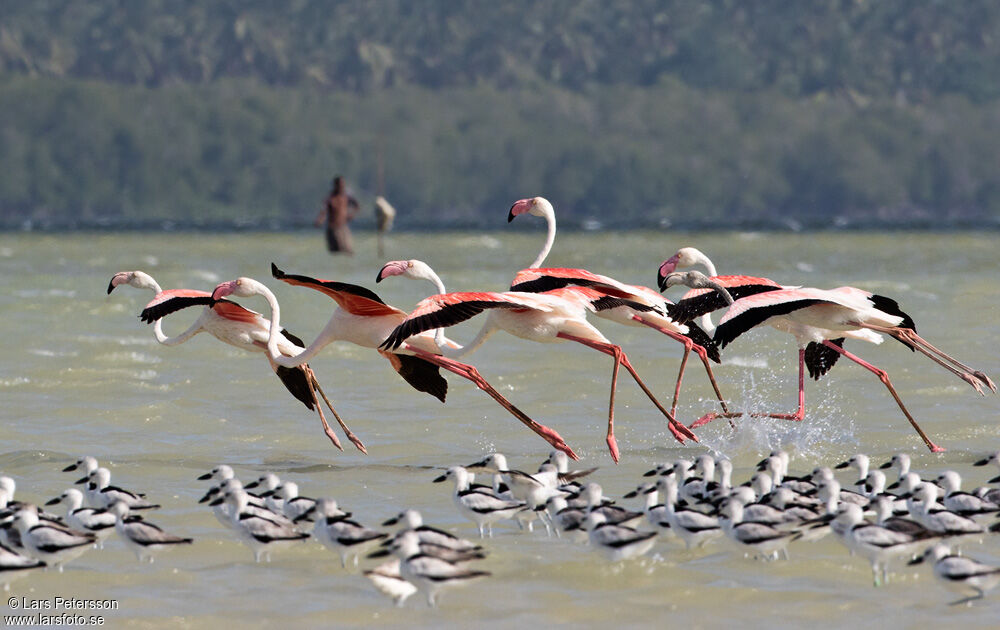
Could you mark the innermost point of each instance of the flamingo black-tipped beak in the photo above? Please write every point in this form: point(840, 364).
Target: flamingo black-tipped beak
point(510, 214)
point(661, 282)
point(391, 521)
point(54, 501)
point(885, 466)
point(441, 478)
point(982, 462)
point(205, 477)
point(83, 480)
point(70, 468)
point(111, 286)
point(380, 553)
point(842, 465)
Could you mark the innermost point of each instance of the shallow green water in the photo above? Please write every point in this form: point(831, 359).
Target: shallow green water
point(82, 375)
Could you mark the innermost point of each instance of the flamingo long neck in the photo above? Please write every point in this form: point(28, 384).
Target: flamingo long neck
point(274, 333)
point(550, 238)
point(701, 259)
point(143, 280)
point(431, 276)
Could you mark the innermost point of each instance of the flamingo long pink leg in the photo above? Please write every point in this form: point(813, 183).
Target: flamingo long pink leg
point(679, 431)
point(471, 373)
point(884, 377)
point(326, 427)
point(971, 376)
point(703, 355)
point(350, 435)
point(797, 416)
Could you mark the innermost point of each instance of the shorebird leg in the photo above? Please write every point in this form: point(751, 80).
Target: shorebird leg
point(471, 373)
point(884, 377)
point(679, 431)
point(356, 441)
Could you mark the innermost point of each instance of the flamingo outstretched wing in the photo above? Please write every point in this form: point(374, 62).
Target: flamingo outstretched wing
point(752, 311)
point(354, 299)
point(171, 301)
point(697, 302)
point(540, 280)
point(448, 309)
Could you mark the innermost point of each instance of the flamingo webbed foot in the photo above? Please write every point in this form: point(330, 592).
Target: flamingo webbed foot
point(613, 447)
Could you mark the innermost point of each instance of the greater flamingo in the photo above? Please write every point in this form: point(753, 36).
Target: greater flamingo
point(362, 318)
point(231, 323)
point(556, 315)
point(816, 315)
point(636, 306)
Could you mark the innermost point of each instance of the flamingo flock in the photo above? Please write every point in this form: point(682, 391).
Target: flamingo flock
point(549, 305)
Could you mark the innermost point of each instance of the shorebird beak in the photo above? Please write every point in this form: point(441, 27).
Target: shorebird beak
point(391, 521)
point(441, 478)
point(83, 480)
point(205, 477)
point(893, 485)
point(917, 560)
point(208, 495)
point(885, 466)
point(251, 485)
point(70, 468)
point(906, 495)
point(842, 465)
point(982, 462)
point(54, 501)
point(995, 527)
point(266, 493)
point(480, 464)
point(994, 480)
point(218, 501)
point(380, 553)
point(649, 473)
point(631, 495)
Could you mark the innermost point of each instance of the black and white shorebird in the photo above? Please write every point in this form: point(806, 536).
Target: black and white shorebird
point(567, 520)
point(101, 494)
point(256, 530)
point(86, 463)
point(876, 543)
point(14, 565)
point(961, 574)
point(900, 461)
point(338, 533)
point(220, 475)
point(96, 521)
point(52, 544)
point(992, 458)
point(925, 510)
point(617, 542)
point(764, 539)
point(859, 462)
point(481, 506)
point(695, 528)
point(255, 504)
point(144, 538)
point(412, 521)
point(295, 507)
point(963, 503)
point(267, 484)
point(427, 572)
point(388, 581)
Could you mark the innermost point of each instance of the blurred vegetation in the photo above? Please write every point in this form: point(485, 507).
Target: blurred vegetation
point(838, 112)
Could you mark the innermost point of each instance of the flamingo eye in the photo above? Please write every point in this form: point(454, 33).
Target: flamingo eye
point(409, 264)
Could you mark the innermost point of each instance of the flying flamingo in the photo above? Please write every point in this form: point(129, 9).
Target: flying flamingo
point(543, 317)
point(638, 306)
point(362, 318)
point(816, 315)
point(231, 323)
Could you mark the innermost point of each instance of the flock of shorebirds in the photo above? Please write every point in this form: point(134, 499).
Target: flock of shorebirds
point(682, 501)
point(549, 305)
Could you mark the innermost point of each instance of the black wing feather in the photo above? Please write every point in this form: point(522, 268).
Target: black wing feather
point(423, 376)
point(297, 383)
point(161, 310)
point(360, 291)
point(448, 316)
point(685, 310)
point(730, 330)
point(820, 359)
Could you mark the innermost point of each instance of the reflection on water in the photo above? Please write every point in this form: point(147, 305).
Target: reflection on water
point(83, 376)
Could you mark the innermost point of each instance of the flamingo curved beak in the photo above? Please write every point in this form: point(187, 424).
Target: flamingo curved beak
point(668, 267)
point(222, 290)
point(520, 207)
point(392, 268)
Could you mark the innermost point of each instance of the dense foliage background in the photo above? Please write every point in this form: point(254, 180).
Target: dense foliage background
point(826, 113)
